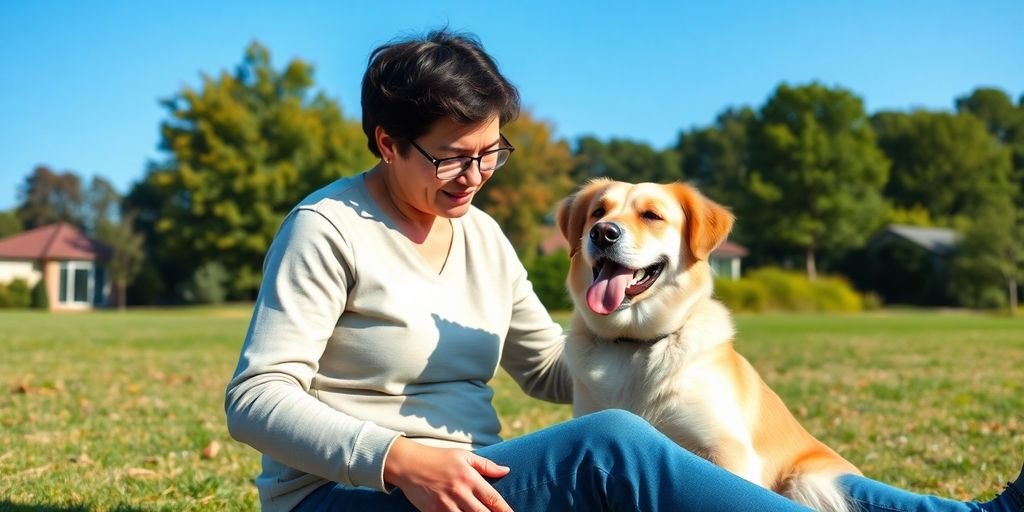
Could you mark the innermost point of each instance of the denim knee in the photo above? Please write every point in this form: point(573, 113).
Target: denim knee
point(618, 426)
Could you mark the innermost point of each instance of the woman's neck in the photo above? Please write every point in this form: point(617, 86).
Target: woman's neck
point(414, 224)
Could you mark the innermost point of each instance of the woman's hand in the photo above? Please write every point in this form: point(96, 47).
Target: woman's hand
point(443, 479)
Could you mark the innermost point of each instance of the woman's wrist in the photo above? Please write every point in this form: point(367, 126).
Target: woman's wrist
point(393, 465)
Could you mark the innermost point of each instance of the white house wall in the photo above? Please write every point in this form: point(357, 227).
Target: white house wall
point(11, 270)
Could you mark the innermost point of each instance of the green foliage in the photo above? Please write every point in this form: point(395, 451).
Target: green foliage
point(772, 289)
point(39, 299)
point(717, 158)
point(932, 148)
point(15, 294)
point(10, 224)
point(243, 150)
point(990, 258)
point(1003, 119)
point(817, 175)
point(48, 197)
point(547, 274)
point(624, 160)
point(525, 190)
point(208, 284)
point(742, 295)
point(128, 255)
point(916, 215)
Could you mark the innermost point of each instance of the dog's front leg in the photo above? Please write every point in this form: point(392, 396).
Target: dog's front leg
point(583, 400)
point(739, 457)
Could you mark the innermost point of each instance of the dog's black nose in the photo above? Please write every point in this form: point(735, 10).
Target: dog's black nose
point(604, 234)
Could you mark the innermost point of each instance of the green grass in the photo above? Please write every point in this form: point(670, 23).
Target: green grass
point(113, 410)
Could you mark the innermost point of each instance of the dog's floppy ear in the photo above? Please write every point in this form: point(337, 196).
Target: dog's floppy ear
point(572, 213)
point(707, 222)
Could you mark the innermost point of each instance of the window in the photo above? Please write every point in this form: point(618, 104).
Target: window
point(722, 267)
point(77, 279)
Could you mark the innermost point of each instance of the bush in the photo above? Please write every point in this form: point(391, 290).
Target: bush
point(741, 295)
point(775, 289)
point(207, 285)
point(547, 274)
point(15, 294)
point(39, 300)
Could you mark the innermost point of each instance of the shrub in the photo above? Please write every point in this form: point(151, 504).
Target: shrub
point(775, 289)
point(547, 274)
point(834, 293)
point(787, 291)
point(207, 285)
point(15, 294)
point(39, 300)
point(741, 295)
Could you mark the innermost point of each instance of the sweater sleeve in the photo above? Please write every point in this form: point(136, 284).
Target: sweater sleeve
point(533, 348)
point(268, 405)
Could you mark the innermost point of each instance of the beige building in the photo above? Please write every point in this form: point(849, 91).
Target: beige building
point(70, 264)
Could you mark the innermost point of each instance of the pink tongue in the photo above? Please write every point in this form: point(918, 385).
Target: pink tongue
point(609, 289)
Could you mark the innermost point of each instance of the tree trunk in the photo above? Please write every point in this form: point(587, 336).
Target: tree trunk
point(122, 296)
point(1011, 284)
point(812, 270)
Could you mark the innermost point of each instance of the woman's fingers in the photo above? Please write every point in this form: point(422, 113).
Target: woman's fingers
point(487, 467)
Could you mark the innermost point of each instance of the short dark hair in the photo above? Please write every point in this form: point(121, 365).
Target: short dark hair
point(412, 83)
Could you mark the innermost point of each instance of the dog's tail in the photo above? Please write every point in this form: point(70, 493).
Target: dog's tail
point(819, 491)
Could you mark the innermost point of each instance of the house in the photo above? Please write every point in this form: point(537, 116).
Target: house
point(725, 260)
point(70, 264)
point(908, 265)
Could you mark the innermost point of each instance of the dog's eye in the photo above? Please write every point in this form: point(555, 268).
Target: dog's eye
point(598, 213)
point(649, 215)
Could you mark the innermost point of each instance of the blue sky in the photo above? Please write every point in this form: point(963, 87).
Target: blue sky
point(81, 80)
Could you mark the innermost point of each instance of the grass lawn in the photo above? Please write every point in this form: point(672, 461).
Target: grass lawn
point(124, 411)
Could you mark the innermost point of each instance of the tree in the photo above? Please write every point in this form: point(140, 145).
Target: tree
point(48, 197)
point(1002, 118)
point(990, 256)
point(624, 160)
point(10, 224)
point(243, 150)
point(929, 149)
point(816, 173)
point(1005, 121)
point(522, 193)
point(717, 158)
point(101, 205)
point(127, 254)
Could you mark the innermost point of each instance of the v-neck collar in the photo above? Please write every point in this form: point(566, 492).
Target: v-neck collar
point(407, 245)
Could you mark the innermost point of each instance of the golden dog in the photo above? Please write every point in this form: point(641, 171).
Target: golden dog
point(646, 336)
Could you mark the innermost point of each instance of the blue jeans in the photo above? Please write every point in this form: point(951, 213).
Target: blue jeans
point(614, 460)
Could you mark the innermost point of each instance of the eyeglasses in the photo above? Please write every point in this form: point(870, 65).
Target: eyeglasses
point(447, 169)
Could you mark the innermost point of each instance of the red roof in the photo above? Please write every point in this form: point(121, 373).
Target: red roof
point(730, 249)
point(53, 242)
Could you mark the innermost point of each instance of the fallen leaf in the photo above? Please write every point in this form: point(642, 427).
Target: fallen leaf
point(211, 450)
point(140, 473)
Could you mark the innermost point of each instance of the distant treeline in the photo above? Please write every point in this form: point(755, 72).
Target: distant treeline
point(809, 174)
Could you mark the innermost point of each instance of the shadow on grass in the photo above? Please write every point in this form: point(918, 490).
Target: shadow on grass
point(7, 506)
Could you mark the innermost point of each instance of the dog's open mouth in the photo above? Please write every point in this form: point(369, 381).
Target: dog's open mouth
point(614, 283)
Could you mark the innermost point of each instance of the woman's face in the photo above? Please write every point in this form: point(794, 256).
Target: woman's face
point(416, 184)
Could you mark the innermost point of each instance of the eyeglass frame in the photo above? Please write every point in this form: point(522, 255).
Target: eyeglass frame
point(479, 158)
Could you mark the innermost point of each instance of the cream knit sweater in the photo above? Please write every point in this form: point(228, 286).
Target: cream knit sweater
point(355, 340)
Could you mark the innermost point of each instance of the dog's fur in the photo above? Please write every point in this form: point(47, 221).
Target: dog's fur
point(665, 352)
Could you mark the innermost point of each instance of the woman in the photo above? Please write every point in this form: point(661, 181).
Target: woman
point(388, 303)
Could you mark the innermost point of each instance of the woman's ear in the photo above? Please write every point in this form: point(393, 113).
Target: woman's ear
point(385, 144)
point(707, 222)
